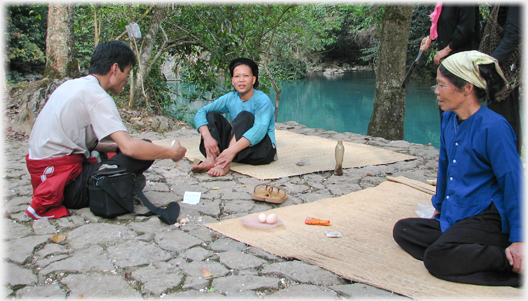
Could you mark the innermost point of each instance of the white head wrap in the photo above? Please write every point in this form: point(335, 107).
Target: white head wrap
point(466, 66)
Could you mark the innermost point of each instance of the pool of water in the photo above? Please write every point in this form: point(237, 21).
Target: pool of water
point(344, 104)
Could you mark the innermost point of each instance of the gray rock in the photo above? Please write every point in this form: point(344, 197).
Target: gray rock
point(158, 278)
point(86, 214)
point(225, 244)
point(199, 231)
point(230, 285)
point(176, 240)
point(99, 234)
point(238, 206)
point(50, 291)
point(303, 291)
point(20, 250)
point(239, 261)
point(136, 253)
point(195, 283)
point(52, 258)
point(21, 217)
point(150, 225)
point(52, 249)
point(194, 269)
point(208, 207)
point(360, 290)
point(197, 254)
point(96, 285)
point(147, 237)
point(16, 230)
point(93, 259)
point(43, 226)
point(161, 198)
point(17, 204)
point(303, 273)
point(73, 221)
point(16, 275)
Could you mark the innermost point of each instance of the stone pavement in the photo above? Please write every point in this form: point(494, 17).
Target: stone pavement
point(138, 256)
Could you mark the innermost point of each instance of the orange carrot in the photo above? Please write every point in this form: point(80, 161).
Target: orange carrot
point(316, 221)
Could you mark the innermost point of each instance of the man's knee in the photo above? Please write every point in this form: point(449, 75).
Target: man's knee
point(436, 260)
point(400, 230)
point(213, 116)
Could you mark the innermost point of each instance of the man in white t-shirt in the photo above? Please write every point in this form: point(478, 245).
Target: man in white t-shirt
point(78, 115)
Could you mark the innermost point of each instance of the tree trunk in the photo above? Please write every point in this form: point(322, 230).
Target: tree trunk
point(147, 55)
point(277, 90)
point(388, 116)
point(60, 50)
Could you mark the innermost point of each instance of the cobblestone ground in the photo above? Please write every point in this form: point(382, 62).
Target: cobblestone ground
point(138, 256)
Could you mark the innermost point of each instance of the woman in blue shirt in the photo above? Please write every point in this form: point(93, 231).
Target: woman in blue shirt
point(475, 233)
point(250, 137)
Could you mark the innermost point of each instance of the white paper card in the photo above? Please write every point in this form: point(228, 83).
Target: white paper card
point(191, 197)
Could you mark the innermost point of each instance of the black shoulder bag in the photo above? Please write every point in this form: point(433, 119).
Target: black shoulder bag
point(111, 192)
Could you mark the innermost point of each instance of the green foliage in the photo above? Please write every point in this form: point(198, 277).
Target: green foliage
point(420, 26)
point(83, 28)
point(26, 39)
point(287, 70)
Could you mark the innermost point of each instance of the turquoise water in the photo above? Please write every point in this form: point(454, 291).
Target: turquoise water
point(344, 104)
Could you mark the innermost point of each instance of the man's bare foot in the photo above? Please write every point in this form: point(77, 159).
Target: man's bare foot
point(204, 166)
point(218, 171)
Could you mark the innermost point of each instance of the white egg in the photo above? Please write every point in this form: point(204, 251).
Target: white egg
point(271, 219)
point(262, 218)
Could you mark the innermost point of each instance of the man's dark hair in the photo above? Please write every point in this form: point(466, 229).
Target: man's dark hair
point(108, 53)
point(245, 61)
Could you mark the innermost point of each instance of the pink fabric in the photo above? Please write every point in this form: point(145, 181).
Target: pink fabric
point(434, 20)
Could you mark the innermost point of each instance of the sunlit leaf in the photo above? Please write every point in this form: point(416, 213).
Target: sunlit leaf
point(206, 273)
point(57, 238)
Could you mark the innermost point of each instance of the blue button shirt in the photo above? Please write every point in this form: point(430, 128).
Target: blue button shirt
point(259, 105)
point(478, 165)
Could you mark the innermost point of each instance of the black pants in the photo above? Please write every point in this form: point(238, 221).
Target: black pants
point(222, 131)
point(76, 192)
point(471, 251)
point(510, 109)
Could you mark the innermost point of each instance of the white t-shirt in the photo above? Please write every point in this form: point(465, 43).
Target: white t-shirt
point(78, 113)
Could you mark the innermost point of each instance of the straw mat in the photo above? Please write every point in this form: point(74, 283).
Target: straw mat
point(367, 252)
point(293, 147)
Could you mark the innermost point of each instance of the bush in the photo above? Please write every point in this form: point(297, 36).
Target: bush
point(287, 70)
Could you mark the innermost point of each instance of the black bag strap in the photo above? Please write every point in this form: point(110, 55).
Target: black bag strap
point(112, 192)
point(169, 215)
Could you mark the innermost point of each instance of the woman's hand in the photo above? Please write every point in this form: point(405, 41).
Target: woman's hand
point(441, 55)
point(211, 146)
point(225, 158)
point(514, 253)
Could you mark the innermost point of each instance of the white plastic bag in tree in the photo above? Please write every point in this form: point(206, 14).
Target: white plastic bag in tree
point(133, 31)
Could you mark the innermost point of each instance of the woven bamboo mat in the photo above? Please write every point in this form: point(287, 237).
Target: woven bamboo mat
point(293, 147)
point(367, 252)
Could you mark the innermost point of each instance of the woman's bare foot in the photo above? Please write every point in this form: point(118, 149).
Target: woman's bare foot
point(204, 166)
point(218, 171)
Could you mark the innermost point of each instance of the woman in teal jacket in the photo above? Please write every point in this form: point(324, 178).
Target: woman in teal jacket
point(250, 137)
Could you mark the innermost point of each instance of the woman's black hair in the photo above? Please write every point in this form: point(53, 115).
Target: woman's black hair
point(108, 53)
point(493, 80)
point(248, 62)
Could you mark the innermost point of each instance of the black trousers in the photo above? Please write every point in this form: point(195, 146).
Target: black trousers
point(76, 192)
point(510, 108)
point(471, 251)
point(222, 131)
